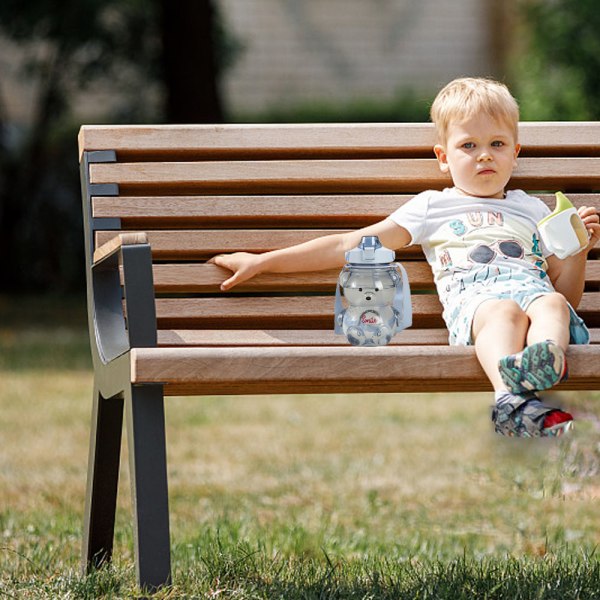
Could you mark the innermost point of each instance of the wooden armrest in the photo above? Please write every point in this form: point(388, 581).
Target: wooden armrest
point(123, 239)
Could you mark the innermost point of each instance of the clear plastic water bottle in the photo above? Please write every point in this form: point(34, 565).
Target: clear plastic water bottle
point(377, 295)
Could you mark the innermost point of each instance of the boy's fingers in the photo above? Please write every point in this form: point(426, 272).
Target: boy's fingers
point(232, 281)
point(234, 263)
point(225, 285)
point(588, 211)
point(220, 260)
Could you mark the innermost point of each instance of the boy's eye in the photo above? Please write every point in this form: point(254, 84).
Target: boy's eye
point(468, 145)
point(497, 144)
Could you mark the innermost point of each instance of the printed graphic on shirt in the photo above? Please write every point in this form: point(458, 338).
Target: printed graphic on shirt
point(483, 248)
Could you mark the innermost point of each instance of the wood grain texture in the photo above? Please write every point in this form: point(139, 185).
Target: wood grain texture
point(121, 239)
point(206, 212)
point(388, 139)
point(293, 312)
point(332, 176)
point(206, 278)
point(289, 337)
point(320, 370)
point(296, 337)
point(202, 244)
point(299, 312)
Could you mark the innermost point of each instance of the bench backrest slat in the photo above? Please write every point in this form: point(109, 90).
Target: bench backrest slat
point(263, 211)
point(334, 176)
point(144, 142)
point(298, 312)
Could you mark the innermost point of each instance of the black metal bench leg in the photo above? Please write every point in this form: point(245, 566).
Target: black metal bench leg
point(148, 470)
point(103, 479)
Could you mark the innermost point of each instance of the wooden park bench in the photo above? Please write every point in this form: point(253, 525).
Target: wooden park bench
point(159, 201)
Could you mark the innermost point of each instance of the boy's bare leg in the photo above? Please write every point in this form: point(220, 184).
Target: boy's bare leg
point(542, 364)
point(499, 328)
point(550, 319)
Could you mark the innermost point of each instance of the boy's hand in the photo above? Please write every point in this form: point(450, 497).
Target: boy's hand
point(243, 264)
point(590, 219)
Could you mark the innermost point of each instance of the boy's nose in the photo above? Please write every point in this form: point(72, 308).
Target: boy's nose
point(485, 156)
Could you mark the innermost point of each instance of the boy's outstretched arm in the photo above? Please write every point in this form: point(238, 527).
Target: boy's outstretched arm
point(319, 254)
point(568, 275)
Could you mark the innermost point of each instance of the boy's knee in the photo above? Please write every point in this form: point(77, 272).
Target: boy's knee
point(554, 302)
point(510, 312)
point(505, 311)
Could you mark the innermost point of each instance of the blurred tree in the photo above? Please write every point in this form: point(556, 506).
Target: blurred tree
point(560, 75)
point(188, 41)
point(130, 44)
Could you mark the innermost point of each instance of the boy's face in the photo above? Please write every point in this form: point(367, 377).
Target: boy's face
point(480, 155)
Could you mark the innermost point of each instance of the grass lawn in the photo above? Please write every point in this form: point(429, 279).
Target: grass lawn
point(366, 496)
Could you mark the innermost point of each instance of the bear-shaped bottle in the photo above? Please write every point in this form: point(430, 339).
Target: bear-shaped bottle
point(377, 295)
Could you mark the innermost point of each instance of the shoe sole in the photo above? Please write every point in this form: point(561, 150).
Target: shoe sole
point(555, 431)
point(532, 369)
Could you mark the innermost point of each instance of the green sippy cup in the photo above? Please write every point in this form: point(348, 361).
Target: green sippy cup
point(563, 231)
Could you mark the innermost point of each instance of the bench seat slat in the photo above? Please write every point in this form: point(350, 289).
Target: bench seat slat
point(277, 369)
point(302, 368)
point(385, 175)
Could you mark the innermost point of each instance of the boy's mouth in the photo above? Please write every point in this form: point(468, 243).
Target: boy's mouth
point(486, 172)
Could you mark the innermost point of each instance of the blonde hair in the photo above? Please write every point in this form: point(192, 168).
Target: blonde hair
point(462, 98)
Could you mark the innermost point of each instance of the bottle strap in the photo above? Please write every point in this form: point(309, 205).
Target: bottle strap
point(337, 326)
point(402, 301)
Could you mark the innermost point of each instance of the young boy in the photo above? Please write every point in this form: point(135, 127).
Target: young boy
point(500, 289)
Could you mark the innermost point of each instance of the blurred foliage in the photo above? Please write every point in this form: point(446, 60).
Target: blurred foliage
point(559, 73)
point(69, 45)
point(406, 106)
point(85, 38)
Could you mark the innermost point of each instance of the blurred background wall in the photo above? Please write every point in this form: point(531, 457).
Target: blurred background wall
point(208, 61)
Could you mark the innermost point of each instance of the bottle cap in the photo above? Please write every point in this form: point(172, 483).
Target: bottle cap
point(370, 252)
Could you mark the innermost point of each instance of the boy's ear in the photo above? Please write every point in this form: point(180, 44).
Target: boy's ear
point(517, 150)
point(440, 153)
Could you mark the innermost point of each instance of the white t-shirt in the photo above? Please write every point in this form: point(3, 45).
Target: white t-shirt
point(471, 242)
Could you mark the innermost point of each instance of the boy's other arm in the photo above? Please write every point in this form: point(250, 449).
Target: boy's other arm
point(319, 254)
point(568, 276)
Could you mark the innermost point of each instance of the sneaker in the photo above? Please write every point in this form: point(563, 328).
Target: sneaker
point(525, 415)
point(537, 367)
